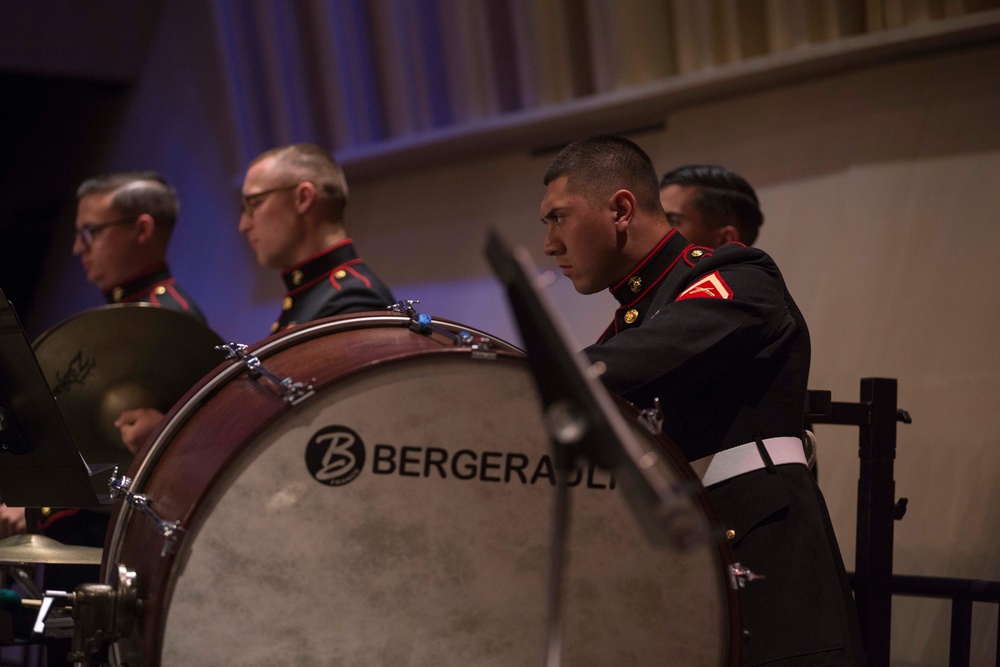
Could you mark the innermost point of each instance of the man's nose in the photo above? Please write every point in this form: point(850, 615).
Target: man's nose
point(78, 245)
point(551, 244)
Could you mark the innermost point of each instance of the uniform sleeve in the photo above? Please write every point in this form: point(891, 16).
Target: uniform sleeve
point(687, 343)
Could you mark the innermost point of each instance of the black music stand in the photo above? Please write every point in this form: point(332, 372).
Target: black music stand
point(583, 421)
point(40, 465)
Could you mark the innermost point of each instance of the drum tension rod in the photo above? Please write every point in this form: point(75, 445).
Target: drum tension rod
point(481, 347)
point(292, 392)
point(170, 530)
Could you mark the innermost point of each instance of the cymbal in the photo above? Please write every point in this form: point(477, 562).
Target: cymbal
point(40, 549)
point(118, 357)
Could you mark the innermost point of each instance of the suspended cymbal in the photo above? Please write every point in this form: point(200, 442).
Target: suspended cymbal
point(40, 549)
point(117, 357)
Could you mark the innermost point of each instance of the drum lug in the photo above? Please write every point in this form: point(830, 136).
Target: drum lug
point(118, 485)
point(481, 346)
point(405, 307)
point(292, 392)
point(101, 615)
point(169, 530)
point(652, 418)
point(740, 576)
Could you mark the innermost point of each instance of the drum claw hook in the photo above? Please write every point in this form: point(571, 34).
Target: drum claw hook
point(292, 392)
point(170, 530)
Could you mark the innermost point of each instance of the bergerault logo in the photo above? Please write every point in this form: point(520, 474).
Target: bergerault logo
point(336, 455)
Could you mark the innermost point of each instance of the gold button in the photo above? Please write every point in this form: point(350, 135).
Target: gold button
point(631, 316)
point(340, 275)
point(161, 290)
point(274, 327)
point(697, 253)
point(287, 303)
point(635, 283)
point(46, 511)
point(730, 534)
point(117, 294)
point(297, 278)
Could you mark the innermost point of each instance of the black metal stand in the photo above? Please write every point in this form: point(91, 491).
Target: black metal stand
point(876, 415)
point(584, 424)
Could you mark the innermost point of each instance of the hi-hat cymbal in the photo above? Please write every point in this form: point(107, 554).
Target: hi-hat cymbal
point(117, 357)
point(40, 549)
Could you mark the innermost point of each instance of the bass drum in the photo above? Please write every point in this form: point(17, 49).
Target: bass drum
point(400, 515)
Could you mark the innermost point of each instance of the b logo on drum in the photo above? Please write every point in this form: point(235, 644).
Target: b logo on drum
point(335, 455)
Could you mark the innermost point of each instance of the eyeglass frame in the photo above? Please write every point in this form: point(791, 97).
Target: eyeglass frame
point(248, 207)
point(86, 233)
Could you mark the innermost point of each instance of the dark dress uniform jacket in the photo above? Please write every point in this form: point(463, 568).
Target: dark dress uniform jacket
point(159, 289)
point(334, 282)
point(716, 337)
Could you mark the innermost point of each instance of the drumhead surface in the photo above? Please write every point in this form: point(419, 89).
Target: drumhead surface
point(402, 517)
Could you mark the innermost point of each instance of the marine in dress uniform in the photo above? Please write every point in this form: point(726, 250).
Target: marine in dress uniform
point(334, 282)
point(717, 338)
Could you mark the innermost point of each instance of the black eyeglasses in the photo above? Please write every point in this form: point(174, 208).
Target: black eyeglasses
point(86, 233)
point(250, 203)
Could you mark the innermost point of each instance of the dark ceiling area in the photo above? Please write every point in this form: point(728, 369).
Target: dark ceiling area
point(66, 70)
point(53, 132)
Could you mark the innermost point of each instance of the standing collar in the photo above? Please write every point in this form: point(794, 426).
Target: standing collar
point(651, 270)
point(317, 266)
point(137, 286)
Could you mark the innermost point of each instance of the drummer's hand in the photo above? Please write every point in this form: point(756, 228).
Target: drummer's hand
point(12, 521)
point(136, 425)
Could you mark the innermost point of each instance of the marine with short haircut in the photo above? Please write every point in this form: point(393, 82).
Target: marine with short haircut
point(710, 205)
point(716, 337)
point(293, 204)
point(123, 227)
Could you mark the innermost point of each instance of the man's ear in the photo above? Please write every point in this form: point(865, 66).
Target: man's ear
point(728, 234)
point(145, 226)
point(622, 209)
point(305, 196)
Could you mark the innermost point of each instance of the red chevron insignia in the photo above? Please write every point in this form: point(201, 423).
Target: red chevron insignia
point(711, 286)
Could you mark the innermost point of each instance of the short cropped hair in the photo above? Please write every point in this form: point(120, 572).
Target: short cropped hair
point(724, 197)
point(315, 164)
point(136, 193)
point(601, 165)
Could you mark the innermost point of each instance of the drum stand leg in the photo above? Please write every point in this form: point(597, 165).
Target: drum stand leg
point(557, 567)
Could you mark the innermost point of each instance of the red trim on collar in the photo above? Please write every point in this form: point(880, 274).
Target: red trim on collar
point(153, 268)
point(329, 274)
point(653, 284)
point(297, 265)
point(645, 261)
